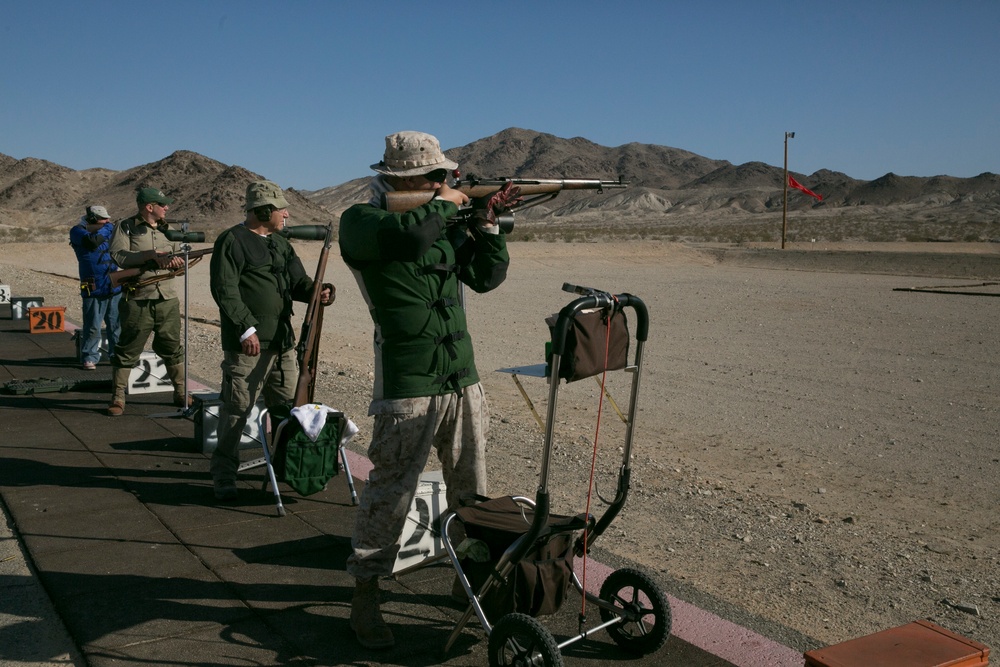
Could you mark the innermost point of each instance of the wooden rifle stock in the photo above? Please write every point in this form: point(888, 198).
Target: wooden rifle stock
point(535, 190)
point(312, 327)
point(129, 278)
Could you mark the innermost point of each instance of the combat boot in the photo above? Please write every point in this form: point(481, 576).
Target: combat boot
point(176, 375)
point(366, 617)
point(119, 382)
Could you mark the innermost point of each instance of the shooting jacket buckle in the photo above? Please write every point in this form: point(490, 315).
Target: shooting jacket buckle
point(449, 342)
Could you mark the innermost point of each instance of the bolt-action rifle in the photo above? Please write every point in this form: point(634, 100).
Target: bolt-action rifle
point(129, 278)
point(532, 191)
point(307, 349)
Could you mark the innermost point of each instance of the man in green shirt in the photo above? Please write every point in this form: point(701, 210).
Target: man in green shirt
point(255, 276)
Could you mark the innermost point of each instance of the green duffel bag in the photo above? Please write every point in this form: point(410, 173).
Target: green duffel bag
point(304, 464)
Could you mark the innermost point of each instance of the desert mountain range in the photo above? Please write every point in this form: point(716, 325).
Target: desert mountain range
point(669, 188)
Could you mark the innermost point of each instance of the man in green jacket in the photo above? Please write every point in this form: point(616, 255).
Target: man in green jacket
point(426, 391)
point(255, 276)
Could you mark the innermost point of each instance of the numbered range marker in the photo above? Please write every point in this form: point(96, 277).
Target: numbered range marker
point(419, 540)
point(206, 423)
point(47, 319)
point(4, 294)
point(19, 305)
point(149, 376)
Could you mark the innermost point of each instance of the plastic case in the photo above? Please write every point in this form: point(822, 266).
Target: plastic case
point(917, 644)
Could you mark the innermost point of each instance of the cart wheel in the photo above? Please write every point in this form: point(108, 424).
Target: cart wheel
point(519, 640)
point(645, 613)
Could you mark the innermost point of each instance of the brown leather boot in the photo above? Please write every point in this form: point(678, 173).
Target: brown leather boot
point(366, 617)
point(176, 375)
point(119, 382)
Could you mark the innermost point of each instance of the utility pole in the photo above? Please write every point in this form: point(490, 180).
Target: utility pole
point(784, 201)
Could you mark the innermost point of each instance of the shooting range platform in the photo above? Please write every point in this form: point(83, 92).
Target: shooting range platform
point(123, 556)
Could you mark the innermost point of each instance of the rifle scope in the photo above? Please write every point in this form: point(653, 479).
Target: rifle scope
point(305, 232)
point(178, 236)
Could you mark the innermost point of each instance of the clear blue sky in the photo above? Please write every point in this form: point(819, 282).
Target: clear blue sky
point(304, 92)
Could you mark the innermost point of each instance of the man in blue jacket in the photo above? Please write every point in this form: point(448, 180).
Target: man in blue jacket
point(89, 238)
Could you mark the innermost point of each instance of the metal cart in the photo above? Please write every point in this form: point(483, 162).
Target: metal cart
point(632, 608)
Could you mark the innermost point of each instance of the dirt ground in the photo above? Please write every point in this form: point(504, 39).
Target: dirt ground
point(813, 447)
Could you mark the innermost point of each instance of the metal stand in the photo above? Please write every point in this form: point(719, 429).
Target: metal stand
point(265, 460)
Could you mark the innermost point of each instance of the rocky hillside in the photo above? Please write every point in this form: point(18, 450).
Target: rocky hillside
point(673, 193)
point(670, 187)
point(39, 199)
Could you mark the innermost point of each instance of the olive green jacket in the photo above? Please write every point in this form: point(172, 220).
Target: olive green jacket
point(408, 268)
point(254, 281)
point(131, 239)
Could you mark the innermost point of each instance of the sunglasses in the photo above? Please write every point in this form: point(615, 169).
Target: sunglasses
point(436, 176)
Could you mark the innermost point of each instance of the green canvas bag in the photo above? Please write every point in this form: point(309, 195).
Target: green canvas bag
point(303, 464)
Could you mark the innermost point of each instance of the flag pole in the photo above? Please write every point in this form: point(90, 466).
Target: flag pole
point(784, 199)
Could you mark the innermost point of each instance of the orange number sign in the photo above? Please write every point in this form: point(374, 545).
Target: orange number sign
point(48, 319)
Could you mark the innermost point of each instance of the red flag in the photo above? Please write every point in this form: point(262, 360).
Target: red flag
point(798, 186)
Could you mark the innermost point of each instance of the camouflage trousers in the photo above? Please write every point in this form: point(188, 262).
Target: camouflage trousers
point(404, 432)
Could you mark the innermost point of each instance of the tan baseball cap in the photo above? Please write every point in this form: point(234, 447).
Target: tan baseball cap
point(412, 154)
point(98, 212)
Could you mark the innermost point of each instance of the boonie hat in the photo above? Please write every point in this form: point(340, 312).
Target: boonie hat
point(152, 196)
point(412, 154)
point(98, 212)
point(262, 193)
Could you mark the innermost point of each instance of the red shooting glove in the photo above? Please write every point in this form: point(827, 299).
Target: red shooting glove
point(502, 201)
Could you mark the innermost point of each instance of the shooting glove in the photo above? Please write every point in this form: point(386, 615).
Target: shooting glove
point(487, 210)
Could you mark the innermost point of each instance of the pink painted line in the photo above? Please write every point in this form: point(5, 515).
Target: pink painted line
point(729, 641)
point(360, 465)
point(710, 633)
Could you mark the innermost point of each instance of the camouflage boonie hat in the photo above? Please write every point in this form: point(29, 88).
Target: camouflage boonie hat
point(152, 196)
point(262, 193)
point(412, 154)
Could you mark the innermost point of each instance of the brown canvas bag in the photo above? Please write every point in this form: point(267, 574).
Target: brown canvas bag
point(587, 344)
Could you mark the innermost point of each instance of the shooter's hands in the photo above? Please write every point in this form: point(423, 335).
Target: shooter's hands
point(251, 345)
point(456, 197)
point(328, 294)
point(162, 260)
point(168, 261)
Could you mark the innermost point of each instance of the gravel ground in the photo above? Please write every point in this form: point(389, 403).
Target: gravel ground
point(812, 448)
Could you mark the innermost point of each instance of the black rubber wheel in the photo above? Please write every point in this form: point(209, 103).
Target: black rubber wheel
point(645, 613)
point(519, 640)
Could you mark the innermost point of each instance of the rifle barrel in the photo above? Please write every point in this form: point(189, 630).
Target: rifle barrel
point(474, 188)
